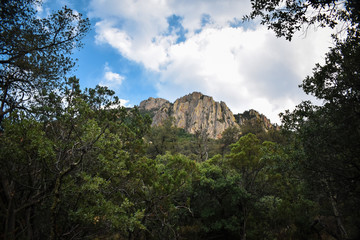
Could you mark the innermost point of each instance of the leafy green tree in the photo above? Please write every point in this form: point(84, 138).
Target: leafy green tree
point(229, 136)
point(246, 160)
point(35, 52)
point(256, 192)
point(215, 203)
point(288, 17)
point(162, 138)
point(167, 197)
point(330, 134)
point(103, 184)
point(241, 196)
point(185, 144)
point(286, 210)
point(268, 182)
point(62, 165)
point(25, 151)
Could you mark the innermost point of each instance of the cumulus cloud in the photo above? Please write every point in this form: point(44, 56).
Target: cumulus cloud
point(125, 103)
point(246, 68)
point(139, 30)
point(111, 79)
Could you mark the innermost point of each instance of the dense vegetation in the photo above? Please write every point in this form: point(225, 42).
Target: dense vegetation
point(75, 165)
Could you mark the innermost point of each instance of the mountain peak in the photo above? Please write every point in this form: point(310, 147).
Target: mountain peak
point(153, 104)
point(196, 112)
point(196, 95)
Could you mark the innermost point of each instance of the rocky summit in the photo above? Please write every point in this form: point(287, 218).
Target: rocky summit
point(196, 112)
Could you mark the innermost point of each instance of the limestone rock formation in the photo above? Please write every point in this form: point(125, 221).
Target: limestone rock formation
point(253, 117)
point(158, 108)
point(154, 104)
point(196, 112)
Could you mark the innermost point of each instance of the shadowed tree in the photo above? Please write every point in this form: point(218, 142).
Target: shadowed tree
point(35, 53)
point(329, 134)
point(288, 17)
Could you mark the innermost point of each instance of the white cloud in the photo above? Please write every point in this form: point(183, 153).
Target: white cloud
point(111, 79)
point(246, 68)
point(125, 103)
point(41, 12)
point(151, 53)
point(136, 28)
point(39, 8)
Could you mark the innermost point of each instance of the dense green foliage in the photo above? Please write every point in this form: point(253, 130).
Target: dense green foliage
point(75, 165)
point(328, 135)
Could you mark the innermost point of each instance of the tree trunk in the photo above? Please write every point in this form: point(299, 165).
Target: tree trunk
point(339, 223)
point(29, 224)
point(8, 187)
point(340, 226)
point(10, 221)
point(54, 207)
point(243, 229)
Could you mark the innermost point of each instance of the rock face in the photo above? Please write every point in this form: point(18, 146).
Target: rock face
point(158, 108)
point(253, 117)
point(196, 112)
point(154, 104)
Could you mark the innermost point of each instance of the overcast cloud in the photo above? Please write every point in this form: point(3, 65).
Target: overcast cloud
point(199, 46)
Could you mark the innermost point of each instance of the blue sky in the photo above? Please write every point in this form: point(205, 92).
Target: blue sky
point(169, 48)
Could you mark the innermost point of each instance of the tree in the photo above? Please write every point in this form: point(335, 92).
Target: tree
point(288, 17)
point(162, 138)
point(252, 193)
point(167, 197)
point(330, 134)
point(201, 144)
point(60, 162)
point(228, 137)
point(34, 52)
point(246, 158)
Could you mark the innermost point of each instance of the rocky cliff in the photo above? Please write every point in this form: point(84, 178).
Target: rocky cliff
point(196, 112)
point(253, 117)
point(158, 108)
